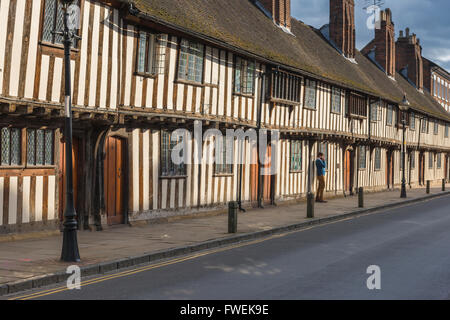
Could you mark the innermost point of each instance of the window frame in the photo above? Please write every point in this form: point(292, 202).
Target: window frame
point(365, 158)
point(377, 154)
point(180, 52)
point(332, 96)
point(59, 45)
point(310, 90)
point(439, 161)
point(44, 164)
point(297, 143)
point(376, 104)
point(20, 145)
point(412, 121)
point(390, 111)
point(412, 160)
point(161, 157)
point(430, 160)
point(436, 127)
point(229, 168)
point(158, 43)
point(248, 63)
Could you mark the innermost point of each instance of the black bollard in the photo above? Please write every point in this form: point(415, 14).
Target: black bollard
point(443, 184)
point(428, 186)
point(232, 216)
point(310, 205)
point(361, 197)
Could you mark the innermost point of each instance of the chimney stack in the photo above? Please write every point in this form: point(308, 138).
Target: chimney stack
point(409, 57)
point(342, 26)
point(280, 11)
point(385, 43)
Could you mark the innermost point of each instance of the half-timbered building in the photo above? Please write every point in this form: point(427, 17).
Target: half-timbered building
point(143, 68)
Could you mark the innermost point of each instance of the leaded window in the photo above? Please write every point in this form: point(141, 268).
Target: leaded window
point(53, 21)
point(413, 160)
point(439, 161)
point(390, 115)
point(424, 125)
point(168, 167)
point(10, 146)
point(40, 147)
point(436, 127)
point(222, 166)
point(336, 100)
point(377, 158)
point(244, 76)
point(151, 53)
point(430, 160)
point(357, 105)
point(190, 66)
point(412, 121)
point(446, 130)
point(362, 157)
point(374, 111)
point(296, 155)
point(310, 93)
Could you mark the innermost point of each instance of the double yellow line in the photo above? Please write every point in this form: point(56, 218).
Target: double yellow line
point(145, 268)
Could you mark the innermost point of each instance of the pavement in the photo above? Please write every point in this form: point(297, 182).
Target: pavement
point(32, 263)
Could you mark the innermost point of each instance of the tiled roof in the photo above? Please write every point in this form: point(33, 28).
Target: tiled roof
point(241, 25)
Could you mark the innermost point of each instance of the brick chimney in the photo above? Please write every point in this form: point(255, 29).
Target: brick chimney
point(409, 58)
point(383, 46)
point(280, 11)
point(342, 26)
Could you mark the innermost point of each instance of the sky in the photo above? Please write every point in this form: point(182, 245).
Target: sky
point(426, 18)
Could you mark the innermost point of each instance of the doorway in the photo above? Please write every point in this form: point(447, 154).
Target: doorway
point(421, 169)
point(114, 180)
point(348, 171)
point(390, 169)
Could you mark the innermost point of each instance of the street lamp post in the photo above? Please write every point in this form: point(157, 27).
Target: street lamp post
point(404, 106)
point(69, 251)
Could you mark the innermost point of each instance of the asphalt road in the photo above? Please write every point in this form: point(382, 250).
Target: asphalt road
point(411, 245)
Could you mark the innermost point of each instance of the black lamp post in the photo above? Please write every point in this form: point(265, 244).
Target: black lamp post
point(404, 106)
point(69, 251)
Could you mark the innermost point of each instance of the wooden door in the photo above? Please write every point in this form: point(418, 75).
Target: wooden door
point(390, 169)
point(268, 178)
point(254, 177)
point(348, 171)
point(421, 169)
point(114, 180)
point(77, 171)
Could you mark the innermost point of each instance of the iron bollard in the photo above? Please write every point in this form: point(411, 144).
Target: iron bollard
point(443, 184)
point(428, 186)
point(361, 197)
point(232, 216)
point(310, 205)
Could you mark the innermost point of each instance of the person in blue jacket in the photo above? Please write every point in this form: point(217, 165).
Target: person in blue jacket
point(321, 171)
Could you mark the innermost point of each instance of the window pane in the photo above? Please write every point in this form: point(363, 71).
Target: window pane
point(48, 147)
point(48, 24)
point(237, 76)
point(31, 152)
point(165, 153)
point(310, 92)
point(336, 100)
point(142, 52)
point(59, 23)
point(6, 147)
point(39, 147)
point(15, 146)
point(182, 68)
